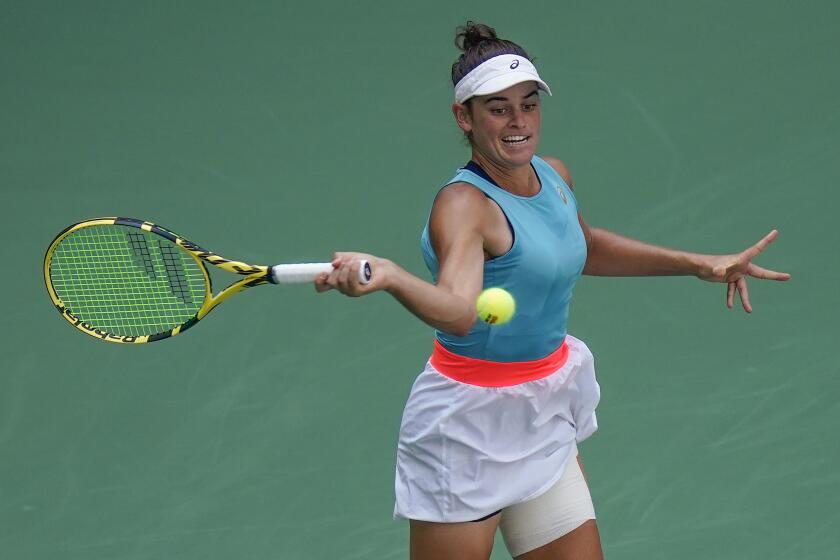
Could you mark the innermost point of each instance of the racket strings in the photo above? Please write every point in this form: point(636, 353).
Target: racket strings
point(138, 245)
point(119, 281)
point(175, 274)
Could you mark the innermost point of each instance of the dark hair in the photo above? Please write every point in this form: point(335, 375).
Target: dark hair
point(479, 43)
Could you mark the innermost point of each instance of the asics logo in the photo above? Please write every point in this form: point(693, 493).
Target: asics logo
point(562, 194)
point(514, 64)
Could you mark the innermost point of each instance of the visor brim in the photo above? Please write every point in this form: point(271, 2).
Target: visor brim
point(500, 83)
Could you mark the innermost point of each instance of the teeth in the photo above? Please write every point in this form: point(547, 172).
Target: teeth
point(514, 139)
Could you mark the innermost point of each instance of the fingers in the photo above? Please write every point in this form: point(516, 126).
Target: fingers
point(344, 277)
point(343, 272)
point(756, 249)
point(321, 284)
point(742, 265)
point(741, 284)
point(765, 274)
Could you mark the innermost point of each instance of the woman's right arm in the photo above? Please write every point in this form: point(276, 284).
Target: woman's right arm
point(455, 228)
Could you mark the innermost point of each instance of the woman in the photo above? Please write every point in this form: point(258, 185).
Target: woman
point(488, 437)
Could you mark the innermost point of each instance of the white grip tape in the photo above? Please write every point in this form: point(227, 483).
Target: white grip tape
point(308, 272)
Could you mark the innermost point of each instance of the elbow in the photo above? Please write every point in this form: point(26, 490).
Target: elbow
point(465, 326)
point(455, 316)
point(462, 327)
point(460, 332)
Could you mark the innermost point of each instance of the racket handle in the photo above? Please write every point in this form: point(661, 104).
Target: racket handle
point(308, 272)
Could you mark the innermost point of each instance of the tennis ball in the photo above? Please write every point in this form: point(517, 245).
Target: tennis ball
point(495, 306)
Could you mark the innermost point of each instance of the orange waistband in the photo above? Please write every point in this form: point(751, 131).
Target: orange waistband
point(485, 373)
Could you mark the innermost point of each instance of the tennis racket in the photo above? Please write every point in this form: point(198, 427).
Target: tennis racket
point(131, 282)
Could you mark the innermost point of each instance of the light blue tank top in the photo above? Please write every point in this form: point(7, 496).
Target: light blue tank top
point(540, 269)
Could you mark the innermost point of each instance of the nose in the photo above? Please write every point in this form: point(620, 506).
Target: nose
point(517, 118)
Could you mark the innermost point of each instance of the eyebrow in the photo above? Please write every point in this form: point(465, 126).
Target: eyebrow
point(486, 101)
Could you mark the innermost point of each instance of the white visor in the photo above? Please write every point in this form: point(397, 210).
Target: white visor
point(496, 74)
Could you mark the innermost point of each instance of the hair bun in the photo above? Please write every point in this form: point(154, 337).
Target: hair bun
point(478, 43)
point(472, 34)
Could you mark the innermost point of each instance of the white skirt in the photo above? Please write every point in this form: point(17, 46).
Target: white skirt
point(465, 451)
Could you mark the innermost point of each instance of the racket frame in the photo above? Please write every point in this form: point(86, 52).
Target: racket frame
point(255, 275)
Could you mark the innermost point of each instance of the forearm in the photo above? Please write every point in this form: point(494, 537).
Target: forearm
point(611, 254)
point(434, 305)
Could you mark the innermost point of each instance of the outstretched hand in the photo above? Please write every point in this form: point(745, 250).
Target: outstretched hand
point(734, 270)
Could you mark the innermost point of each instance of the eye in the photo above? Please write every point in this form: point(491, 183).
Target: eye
point(498, 110)
point(529, 107)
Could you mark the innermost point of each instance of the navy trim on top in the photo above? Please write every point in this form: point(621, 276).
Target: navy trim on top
point(478, 170)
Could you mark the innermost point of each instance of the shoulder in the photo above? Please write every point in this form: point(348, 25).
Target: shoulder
point(459, 215)
point(560, 168)
point(458, 205)
point(459, 197)
point(461, 206)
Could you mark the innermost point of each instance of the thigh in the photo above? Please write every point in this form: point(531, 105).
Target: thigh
point(559, 523)
point(583, 543)
point(452, 541)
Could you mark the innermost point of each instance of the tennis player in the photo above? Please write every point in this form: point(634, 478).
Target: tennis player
point(489, 433)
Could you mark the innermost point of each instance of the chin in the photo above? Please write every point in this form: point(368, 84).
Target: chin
point(519, 157)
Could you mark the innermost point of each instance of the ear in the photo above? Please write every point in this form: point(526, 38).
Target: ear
point(463, 117)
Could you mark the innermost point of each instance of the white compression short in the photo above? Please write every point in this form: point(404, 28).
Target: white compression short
point(561, 509)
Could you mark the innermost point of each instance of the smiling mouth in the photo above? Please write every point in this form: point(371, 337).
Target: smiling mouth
point(515, 140)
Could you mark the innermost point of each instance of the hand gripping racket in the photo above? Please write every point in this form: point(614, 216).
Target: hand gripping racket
point(129, 281)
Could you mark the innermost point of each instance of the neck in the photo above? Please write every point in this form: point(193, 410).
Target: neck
point(519, 180)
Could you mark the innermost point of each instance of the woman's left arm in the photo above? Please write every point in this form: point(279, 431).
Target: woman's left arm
point(610, 254)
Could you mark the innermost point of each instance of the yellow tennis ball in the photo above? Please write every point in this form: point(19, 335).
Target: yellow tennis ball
point(495, 306)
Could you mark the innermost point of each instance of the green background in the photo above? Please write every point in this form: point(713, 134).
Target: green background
point(270, 132)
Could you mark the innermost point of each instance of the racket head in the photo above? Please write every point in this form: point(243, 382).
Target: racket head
point(127, 281)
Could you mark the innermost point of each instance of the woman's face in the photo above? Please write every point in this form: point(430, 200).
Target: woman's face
point(503, 126)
